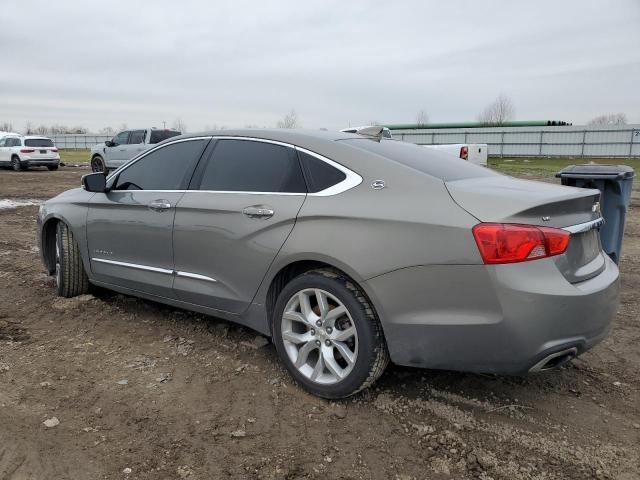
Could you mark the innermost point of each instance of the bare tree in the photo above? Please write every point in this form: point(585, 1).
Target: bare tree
point(610, 119)
point(29, 128)
point(107, 131)
point(42, 130)
point(497, 112)
point(290, 120)
point(179, 125)
point(6, 127)
point(422, 119)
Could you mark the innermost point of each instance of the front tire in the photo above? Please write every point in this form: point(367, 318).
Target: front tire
point(98, 165)
point(71, 279)
point(327, 335)
point(52, 167)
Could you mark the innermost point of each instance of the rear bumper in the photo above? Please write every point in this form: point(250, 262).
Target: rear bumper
point(39, 162)
point(495, 319)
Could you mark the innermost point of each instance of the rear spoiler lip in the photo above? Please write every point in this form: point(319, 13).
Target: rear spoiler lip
point(585, 227)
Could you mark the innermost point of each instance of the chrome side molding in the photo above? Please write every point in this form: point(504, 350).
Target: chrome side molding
point(147, 268)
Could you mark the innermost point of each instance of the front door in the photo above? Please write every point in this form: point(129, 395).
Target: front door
point(230, 225)
point(114, 155)
point(129, 229)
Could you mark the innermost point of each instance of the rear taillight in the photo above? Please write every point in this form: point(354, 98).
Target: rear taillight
point(27, 150)
point(512, 243)
point(464, 153)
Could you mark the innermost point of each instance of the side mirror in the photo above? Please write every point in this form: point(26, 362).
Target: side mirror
point(95, 182)
point(109, 143)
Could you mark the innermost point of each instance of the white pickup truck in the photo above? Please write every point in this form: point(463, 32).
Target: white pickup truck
point(472, 152)
point(126, 145)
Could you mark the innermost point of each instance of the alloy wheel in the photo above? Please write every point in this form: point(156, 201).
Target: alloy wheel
point(58, 270)
point(319, 336)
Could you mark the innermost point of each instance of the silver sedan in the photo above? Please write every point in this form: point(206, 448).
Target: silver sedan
point(347, 251)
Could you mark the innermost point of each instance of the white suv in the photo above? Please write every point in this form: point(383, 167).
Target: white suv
point(22, 152)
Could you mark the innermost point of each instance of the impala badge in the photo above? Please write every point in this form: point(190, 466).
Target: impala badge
point(596, 208)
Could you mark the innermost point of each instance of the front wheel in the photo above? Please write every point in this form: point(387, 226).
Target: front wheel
point(328, 335)
point(71, 279)
point(98, 165)
point(52, 167)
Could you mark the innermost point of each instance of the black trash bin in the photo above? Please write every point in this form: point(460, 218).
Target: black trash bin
point(614, 183)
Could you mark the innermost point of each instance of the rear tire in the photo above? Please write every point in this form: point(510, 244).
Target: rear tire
point(98, 165)
point(312, 345)
point(52, 167)
point(16, 164)
point(71, 279)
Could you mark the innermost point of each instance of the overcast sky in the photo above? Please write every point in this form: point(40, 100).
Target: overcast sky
point(337, 63)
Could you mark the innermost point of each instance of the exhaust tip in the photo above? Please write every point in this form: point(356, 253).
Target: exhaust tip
point(555, 360)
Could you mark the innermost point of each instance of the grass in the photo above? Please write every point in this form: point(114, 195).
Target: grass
point(547, 166)
point(74, 156)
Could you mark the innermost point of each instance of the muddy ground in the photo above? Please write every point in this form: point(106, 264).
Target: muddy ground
point(143, 391)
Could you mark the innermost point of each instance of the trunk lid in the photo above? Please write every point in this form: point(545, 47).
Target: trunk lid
point(505, 199)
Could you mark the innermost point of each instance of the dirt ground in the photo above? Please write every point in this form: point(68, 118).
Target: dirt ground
point(144, 391)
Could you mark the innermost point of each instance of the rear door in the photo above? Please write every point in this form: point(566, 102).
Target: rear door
point(135, 144)
point(129, 229)
point(234, 219)
point(4, 151)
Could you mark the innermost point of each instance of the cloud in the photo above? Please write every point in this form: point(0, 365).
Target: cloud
point(337, 63)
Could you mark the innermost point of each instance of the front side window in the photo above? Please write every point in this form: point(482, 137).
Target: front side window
point(136, 136)
point(121, 138)
point(250, 166)
point(166, 168)
point(13, 142)
point(38, 142)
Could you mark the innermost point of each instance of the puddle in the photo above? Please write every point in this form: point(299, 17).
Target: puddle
point(6, 203)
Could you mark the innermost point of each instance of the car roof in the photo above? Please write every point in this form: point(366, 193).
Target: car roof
point(293, 136)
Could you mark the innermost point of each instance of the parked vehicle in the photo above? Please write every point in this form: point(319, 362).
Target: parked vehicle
point(346, 251)
point(22, 152)
point(126, 145)
point(472, 152)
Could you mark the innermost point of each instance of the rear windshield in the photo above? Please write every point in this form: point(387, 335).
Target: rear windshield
point(444, 166)
point(38, 142)
point(159, 135)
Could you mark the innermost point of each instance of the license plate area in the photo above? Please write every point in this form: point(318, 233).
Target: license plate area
point(43, 151)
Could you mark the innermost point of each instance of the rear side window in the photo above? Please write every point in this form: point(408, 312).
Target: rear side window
point(38, 142)
point(437, 164)
point(320, 175)
point(136, 136)
point(164, 169)
point(249, 166)
point(159, 135)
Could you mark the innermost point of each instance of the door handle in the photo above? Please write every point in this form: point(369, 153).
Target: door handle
point(159, 205)
point(258, 211)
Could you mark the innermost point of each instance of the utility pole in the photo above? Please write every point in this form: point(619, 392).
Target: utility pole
point(164, 124)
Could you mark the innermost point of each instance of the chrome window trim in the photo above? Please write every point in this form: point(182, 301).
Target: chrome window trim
point(585, 227)
point(195, 276)
point(351, 180)
point(134, 265)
